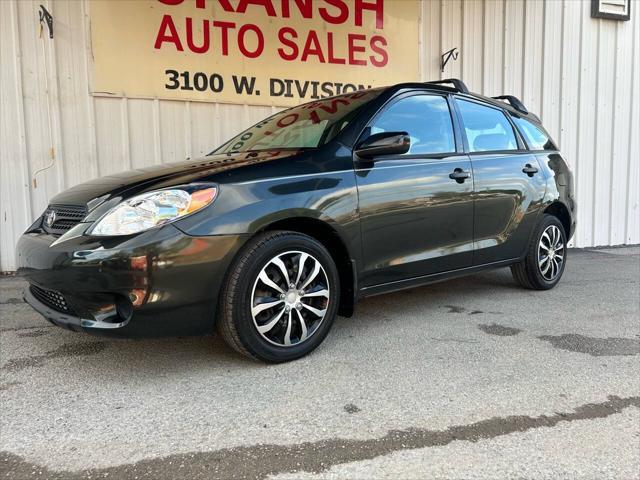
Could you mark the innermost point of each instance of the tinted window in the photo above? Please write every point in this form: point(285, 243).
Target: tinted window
point(427, 120)
point(535, 138)
point(486, 128)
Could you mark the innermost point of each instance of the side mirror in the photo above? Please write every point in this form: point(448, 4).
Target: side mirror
point(384, 143)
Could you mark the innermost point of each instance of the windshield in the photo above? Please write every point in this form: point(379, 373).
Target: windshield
point(306, 126)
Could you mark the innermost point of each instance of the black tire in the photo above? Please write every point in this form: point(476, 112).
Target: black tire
point(528, 273)
point(235, 320)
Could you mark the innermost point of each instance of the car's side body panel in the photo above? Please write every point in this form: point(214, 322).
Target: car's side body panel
point(507, 203)
point(415, 220)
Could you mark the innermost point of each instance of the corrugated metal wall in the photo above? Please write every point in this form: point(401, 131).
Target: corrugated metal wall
point(580, 74)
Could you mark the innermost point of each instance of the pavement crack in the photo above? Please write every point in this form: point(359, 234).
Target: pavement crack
point(260, 461)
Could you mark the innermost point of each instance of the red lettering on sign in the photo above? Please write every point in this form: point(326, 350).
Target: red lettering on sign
point(283, 35)
point(304, 7)
point(224, 32)
point(172, 37)
point(354, 49)
point(266, 4)
point(293, 43)
point(312, 47)
point(205, 37)
point(241, 40)
point(226, 6)
point(199, 3)
point(336, 18)
point(377, 44)
point(332, 58)
point(376, 6)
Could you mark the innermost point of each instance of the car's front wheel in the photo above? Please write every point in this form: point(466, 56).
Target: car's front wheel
point(543, 266)
point(280, 297)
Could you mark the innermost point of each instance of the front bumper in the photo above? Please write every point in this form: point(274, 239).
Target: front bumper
point(71, 321)
point(159, 282)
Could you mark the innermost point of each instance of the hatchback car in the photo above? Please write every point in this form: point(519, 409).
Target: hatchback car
point(292, 221)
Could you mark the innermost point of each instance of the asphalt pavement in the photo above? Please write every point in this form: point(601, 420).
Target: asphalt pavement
point(471, 378)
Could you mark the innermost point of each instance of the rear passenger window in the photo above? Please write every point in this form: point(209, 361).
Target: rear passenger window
point(535, 137)
point(425, 118)
point(486, 128)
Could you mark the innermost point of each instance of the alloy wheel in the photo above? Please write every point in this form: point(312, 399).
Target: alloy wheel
point(289, 299)
point(550, 253)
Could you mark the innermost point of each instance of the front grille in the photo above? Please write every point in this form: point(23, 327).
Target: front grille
point(64, 217)
point(52, 299)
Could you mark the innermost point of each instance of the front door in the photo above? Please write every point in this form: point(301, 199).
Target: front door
point(508, 184)
point(416, 220)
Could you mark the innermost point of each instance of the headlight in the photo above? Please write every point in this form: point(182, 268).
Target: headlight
point(153, 209)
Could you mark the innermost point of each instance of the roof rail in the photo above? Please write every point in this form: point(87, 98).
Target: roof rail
point(514, 102)
point(457, 84)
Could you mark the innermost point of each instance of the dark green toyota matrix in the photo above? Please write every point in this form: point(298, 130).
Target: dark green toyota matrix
point(288, 224)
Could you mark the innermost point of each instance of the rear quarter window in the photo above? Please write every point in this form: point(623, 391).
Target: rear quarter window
point(535, 137)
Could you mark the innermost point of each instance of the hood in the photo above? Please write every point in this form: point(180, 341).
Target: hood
point(131, 182)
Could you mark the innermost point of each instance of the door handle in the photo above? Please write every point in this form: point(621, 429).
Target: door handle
point(529, 170)
point(459, 175)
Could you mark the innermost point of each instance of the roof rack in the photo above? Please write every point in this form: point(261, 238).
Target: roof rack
point(514, 102)
point(457, 84)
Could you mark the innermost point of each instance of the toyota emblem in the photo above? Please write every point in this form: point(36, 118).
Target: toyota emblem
point(49, 218)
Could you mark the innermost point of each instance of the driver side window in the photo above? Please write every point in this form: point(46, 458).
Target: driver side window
point(427, 120)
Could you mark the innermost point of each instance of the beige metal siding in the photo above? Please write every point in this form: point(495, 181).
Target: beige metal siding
point(580, 74)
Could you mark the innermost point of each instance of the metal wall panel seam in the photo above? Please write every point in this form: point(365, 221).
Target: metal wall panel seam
point(156, 131)
point(615, 120)
point(633, 211)
point(188, 130)
point(90, 105)
point(126, 147)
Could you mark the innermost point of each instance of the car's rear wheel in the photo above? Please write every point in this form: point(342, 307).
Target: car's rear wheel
point(280, 297)
point(546, 257)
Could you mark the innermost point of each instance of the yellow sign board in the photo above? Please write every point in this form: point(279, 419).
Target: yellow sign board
point(261, 52)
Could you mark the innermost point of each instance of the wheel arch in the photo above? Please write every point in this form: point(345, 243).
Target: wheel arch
point(329, 237)
point(561, 212)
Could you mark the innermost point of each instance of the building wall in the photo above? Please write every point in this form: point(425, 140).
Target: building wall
point(579, 74)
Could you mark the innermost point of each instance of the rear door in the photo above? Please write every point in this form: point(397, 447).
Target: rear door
point(509, 186)
point(415, 219)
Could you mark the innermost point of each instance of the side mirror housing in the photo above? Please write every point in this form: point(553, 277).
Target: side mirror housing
point(383, 143)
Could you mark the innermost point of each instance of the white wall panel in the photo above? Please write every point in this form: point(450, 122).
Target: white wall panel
point(580, 74)
point(15, 203)
point(570, 80)
point(513, 59)
point(632, 206)
point(493, 52)
point(472, 46)
point(533, 35)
